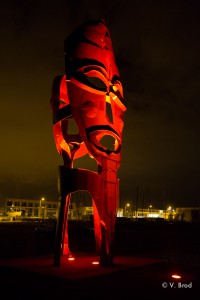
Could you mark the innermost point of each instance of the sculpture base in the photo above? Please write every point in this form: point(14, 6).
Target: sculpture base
point(79, 266)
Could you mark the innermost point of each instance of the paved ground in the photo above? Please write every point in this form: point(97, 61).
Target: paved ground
point(152, 281)
point(177, 253)
point(78, 267)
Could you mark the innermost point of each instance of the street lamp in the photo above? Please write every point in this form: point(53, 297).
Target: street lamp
point(169, 209)
point(150, 212)
point(42, 200)
point(126, 205)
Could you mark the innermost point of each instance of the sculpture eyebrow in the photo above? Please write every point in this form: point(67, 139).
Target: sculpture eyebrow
point(96, 68)
point(72, 67)
point(86, 62)
point(91, 68)
point(87, 41)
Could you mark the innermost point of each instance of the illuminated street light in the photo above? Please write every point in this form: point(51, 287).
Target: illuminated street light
point(126, 206)
point(40, 207)
point(150, 212)
point(170, 212)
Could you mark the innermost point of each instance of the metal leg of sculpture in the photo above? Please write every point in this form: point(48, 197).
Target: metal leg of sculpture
point(97, 228)
point(103, 188)
point(108, 225)
point(61, 238)
point(65, 238)
point(106, 207)
point(59, 230)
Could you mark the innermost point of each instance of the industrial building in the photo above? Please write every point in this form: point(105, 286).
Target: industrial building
point(188, 214)
point(21, 209)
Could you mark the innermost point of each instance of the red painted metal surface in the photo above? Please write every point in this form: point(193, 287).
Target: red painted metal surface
point(91, 94)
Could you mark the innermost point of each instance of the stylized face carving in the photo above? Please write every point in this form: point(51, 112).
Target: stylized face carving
point(94, 90)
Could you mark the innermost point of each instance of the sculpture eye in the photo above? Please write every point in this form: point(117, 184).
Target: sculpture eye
point(96, 79)
point(97, 83)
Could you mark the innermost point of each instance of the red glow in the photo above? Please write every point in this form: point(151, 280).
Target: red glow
point(176, 276)
point(95, 263)
point(71, 258)
point(91, 73)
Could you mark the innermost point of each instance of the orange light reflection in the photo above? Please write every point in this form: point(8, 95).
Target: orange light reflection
point(176, 276)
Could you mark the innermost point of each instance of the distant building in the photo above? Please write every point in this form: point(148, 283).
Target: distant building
point(150, 213)
point(42, 209)
point(79, 212)
point(19, 209)
point(189, 214)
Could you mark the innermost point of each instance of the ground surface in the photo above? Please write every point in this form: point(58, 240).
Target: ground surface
point(176, 246)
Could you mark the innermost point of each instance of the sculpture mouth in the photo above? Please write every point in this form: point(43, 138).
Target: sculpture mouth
point(104, 138)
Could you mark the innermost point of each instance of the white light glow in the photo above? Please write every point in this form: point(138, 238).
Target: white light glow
point(71, 258)
point(176, 276)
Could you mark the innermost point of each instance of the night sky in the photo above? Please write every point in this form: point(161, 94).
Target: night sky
point(157, 49)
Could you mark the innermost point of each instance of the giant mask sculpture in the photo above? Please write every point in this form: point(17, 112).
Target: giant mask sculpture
point(91, 93)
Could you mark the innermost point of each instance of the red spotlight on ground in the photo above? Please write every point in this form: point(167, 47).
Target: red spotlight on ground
point(175, 276)
point(95, 263)
point(71, 258)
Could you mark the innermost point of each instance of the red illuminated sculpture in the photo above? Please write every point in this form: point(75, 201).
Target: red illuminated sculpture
point(91, 93)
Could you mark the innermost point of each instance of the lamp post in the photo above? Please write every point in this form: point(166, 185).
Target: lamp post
point(41, 207)
point(150, 212)
point(169, 209)
point(126, 205)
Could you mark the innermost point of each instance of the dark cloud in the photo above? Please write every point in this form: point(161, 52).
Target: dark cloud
point(24, 15)
point(157, 51)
